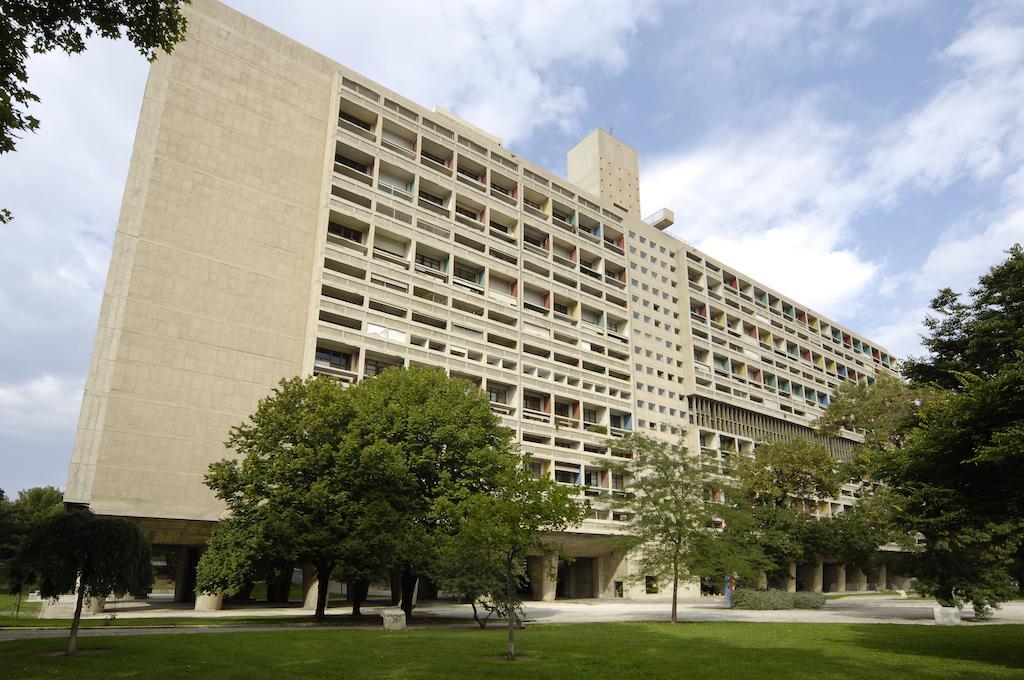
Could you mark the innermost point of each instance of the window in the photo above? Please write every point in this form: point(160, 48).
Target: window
point(561, 309)
point(590, 415)
point(651, 585)
point(428, 262)
point(376, 367)
point(533, 403)
point(618, 482)
point(346, 233)
point(334, 359)
point(498, 395)
point(467, 273)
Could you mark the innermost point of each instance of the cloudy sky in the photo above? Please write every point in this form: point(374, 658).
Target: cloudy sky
point(856, 155)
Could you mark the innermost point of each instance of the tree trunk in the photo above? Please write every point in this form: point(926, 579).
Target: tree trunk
point(73, 638)
point(675, 586)
point(357, 593)
point(408, 592)
point(510, 594)
point(476, 615)
point(323, 577)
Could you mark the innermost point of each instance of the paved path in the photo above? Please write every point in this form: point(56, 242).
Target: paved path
point(860, 609)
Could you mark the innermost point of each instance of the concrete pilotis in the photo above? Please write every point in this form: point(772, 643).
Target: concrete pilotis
point(856, 580)
point(310, 586)
point(183, 575)
point(881, 582)
point(791, 578)
point(97, 605)
point(543, 577)
point(835, 582)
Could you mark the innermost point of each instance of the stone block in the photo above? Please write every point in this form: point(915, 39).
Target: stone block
point(394, 618)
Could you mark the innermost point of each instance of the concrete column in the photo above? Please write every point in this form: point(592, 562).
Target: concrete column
point(817, 577)
point(310, 586)
point(762, 581)
point(97, 605)
point(791, 578)
point(857, 580)
point(543, 577)
point(182, 575)
point(837, 578)
point(880, 578)
point(209, 602)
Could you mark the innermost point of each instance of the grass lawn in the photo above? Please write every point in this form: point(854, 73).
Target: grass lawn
point(872, 593)
point(610, 650)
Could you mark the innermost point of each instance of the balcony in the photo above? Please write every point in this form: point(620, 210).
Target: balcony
point(434, 204)
point(435, 162)
point(395, 191)
point(534, 209)
point(536, 416)
point(388, 256)
point(353, 170)
point(356, 127)
point(503, 194)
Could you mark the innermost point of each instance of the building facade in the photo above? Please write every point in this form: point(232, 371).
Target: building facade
point(284, 215)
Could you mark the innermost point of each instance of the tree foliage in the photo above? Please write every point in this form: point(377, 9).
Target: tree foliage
point(18, 517)
point(784, 473)
point(977, 335)
point(80, 552)
point(448, 444)
point(669, 520)
point(950, 445)
point(302, 492)
point(36, 27)
point(486, 553)
point(356, 481)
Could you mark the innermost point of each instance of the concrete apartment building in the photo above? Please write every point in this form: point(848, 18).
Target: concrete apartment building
point(284, 215)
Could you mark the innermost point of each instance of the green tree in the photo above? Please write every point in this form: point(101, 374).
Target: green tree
point(496, 532)
point(80, 552)
point(668, 518)
point(36, 27)
point(20, 516)
point(450, 446)
point(786, 473)
point(948, 446)
point(304, 491)
point(961, 481)
point(779, 483)
point(976, 336)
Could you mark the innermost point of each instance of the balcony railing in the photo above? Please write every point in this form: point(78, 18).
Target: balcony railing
point(398, 148)
point(433, 206)
point(538, 416)
point(535, 211)
point(352, 173)
point(394, 191)
point(356, 129)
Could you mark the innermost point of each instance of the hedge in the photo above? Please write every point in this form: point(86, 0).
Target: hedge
point(775, 599)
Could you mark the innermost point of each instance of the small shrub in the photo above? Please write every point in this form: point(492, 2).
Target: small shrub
point(808, 600)
point(743, 598)
point(761, 599)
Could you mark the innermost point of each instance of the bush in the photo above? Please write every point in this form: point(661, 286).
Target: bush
point(808, 600)
point(761, 599)
point(743, 598)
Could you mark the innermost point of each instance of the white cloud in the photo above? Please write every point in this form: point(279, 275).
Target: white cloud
point(773, 202)
point(40, 403)
point(781, 200)
point(508, 67)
